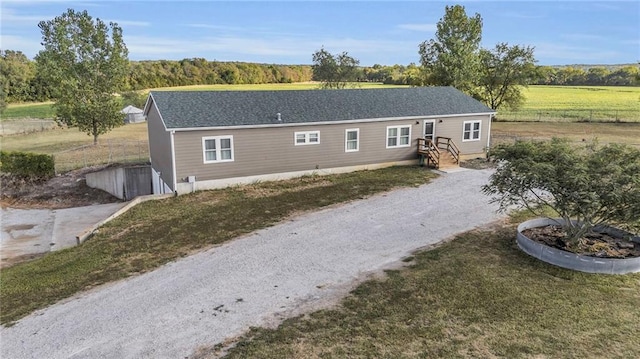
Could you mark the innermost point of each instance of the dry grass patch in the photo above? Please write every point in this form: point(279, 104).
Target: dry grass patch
point(478, 296)
point(627, 133)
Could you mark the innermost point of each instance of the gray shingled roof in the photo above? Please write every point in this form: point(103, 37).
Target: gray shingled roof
point(189, 109)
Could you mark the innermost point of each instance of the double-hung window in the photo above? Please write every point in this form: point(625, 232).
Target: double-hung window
point(217, 149)
point(398, 136)
point(306, 138)
point(471, 131)
point(352, 140)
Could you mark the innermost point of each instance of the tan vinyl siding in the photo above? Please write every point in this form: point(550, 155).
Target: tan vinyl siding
point(452, 127)
point(272, 150)
point(159, 146)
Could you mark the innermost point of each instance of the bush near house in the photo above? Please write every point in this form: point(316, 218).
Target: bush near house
point(26, 165)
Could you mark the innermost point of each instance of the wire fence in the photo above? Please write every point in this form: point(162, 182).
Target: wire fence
point(511, 138)
point(569, 116)
point(105, 152)
point(23, 126)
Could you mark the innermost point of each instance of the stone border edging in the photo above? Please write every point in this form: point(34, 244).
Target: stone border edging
point(570, 260)
point(88, 232)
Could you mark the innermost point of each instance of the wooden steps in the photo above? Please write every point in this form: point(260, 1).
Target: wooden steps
point(447, 161)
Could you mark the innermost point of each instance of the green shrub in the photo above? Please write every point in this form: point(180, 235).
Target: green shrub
point(32, 166)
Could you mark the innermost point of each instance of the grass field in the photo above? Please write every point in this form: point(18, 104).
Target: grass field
point(138, 242)
point(577, 103)
point(478, 296)
point(74, 149)
point(40, 110)
point(627, 133)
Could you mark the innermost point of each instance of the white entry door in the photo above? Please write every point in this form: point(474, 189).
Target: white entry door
point(430, 130)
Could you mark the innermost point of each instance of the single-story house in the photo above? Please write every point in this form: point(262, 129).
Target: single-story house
point(212, 139)
point(132, 114)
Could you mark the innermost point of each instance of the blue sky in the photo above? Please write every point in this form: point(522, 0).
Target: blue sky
point(562, 32)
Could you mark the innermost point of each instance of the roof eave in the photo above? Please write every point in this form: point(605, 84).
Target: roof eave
point(322, 123)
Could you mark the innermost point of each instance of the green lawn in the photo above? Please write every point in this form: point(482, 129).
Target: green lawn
point(138, 242)
point(40, 110)
point(477, 296)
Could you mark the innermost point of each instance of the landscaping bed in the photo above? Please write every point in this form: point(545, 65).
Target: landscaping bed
point(594, 244)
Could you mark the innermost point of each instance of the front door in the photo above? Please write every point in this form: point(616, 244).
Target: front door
point(430, 130)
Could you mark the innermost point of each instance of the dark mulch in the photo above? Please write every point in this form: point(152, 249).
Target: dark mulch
point(592, 244)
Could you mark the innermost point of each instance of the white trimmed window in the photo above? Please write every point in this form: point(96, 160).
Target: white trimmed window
point(471, 131)
point(217, 149)
point(306, 138)
point(352, 140)
point(398, 136)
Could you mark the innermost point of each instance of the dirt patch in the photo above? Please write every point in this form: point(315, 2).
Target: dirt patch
point(63, 191)
point(593, 244)
point(478, 164)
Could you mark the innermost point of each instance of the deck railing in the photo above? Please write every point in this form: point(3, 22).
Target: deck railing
point(447, 144)
point(429, 151)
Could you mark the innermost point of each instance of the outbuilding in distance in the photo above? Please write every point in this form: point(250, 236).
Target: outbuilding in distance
point(211, 139)
point(133, 114)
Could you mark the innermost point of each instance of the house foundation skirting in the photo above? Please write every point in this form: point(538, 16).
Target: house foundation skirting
point(185, 187)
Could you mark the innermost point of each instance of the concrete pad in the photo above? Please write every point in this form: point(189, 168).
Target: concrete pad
point(25, 232)
point(28, 232)
point(71, 222)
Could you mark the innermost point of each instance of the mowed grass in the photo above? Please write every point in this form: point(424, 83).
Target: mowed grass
point(40, 110)
point(271, 87)
point(74, 149)
point(156, 232)
point(627, 133)
point(477, 296)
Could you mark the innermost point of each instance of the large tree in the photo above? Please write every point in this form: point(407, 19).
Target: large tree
point(334, 71)
point(18, 72)
point(451, 59)
point(85, 63)
point(503, 72)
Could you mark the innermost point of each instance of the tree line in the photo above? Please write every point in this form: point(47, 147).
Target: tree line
point(23, 82)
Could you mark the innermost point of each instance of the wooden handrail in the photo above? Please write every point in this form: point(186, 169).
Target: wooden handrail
point(430, 150)
point(450, 147)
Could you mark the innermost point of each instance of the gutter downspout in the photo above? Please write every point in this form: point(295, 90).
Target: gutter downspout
point(489, 135)
point(173, 161)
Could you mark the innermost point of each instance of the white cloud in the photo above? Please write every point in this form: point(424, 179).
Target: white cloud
point(10, 16)
point(239, 48)
point(574, 54)
point(419, 27)
point(520, 15)
point(129, 22)
point(582, 37)
point(28, 46)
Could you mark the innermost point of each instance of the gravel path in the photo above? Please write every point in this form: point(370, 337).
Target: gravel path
point(301, 264)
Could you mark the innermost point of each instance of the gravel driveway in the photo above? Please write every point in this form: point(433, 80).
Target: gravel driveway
point(301, 264)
